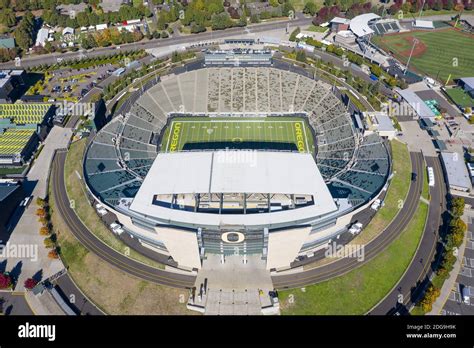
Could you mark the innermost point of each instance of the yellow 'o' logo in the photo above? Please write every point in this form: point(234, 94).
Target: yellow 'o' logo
point(233, 237)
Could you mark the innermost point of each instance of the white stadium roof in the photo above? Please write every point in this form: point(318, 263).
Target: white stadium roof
point(226, 172)
point(359, 24)
point(234, 172)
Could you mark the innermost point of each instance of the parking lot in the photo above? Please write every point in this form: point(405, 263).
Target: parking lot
point(75, 83)
point(455, 305)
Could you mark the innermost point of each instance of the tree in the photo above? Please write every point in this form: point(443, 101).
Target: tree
point(376, 70)
point(274, 3)
point(44, 231)
point(221, 21)
point(301, 56)
point(430, 297)
point(53, 254)
point(457, 206)
point(7, 17)
point(5, 281)
point(294, 33)
point(30, 283)
point(48, 243)
point(310, 8)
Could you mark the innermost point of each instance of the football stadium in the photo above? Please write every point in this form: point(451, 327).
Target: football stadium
point(261, 160)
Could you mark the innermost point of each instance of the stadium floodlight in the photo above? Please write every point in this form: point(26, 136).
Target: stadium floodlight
point(415, 42)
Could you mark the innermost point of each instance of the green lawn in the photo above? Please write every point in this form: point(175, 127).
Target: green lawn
point(317, 29)
point(448, 52)
point(397, 190)
point(460, 97)
point(12, 170)
point(76, 192)
point(356, 292)
point(269, 132)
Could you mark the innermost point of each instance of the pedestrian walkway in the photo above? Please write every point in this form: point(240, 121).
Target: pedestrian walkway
point(26, 235)
point(234, 285)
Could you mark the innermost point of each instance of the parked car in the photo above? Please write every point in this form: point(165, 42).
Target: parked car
point(356, 228)
point(465, 293)
point(376, 205)
point(116, 228)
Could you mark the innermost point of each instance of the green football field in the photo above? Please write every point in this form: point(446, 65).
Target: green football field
point(439, 54)
point(185, 132)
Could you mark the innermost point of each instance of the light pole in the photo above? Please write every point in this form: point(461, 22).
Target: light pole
point(415, 42)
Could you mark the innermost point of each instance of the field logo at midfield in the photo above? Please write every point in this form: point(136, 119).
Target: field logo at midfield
point(175, 132)
point(299, 136)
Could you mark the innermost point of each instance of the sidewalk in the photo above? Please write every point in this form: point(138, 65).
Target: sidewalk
point(449, 283)
point(26, 232)
point(43, 304)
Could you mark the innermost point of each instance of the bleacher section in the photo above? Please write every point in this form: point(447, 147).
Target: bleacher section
point(16, 145)
point(25, 113)
point(122, 153)
point(381, 28)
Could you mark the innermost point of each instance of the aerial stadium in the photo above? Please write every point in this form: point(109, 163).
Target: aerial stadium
point(235, 159)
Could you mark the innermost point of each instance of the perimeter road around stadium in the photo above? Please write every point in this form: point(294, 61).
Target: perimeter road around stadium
point(420, 267)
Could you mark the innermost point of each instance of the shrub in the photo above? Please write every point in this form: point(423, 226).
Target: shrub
point(53, 254)
point(5, 281)
point(30, 283)
point(48, 243)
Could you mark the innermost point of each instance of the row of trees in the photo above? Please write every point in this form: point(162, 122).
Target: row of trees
point(93, 17)
point(452, 241)
point(46, 229)
point(413, 6)
point(110, 36)
point(32, 5)
point(352, 8)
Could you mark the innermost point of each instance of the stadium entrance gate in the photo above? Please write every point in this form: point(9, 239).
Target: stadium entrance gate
point(234, 241)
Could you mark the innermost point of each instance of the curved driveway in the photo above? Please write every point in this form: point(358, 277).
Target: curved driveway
point(93, 244)
point(413, 282)
point(344, 265)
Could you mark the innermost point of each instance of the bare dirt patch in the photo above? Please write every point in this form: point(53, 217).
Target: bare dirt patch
point(419, 49)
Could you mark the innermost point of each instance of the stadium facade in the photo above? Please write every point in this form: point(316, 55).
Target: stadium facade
point(279, 204)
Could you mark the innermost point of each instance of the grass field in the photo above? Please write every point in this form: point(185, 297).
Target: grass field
point(199, 132)
point(438, 54)
point(356, 292)
point(460, 97)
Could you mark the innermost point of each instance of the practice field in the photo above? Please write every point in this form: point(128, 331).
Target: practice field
point(437, 54)
point(277, 133)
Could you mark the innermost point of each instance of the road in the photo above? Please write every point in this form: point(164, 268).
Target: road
point(81, 304)
point(93, 244)
point(413, 282)
point(344, 265)
point(179, 40)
